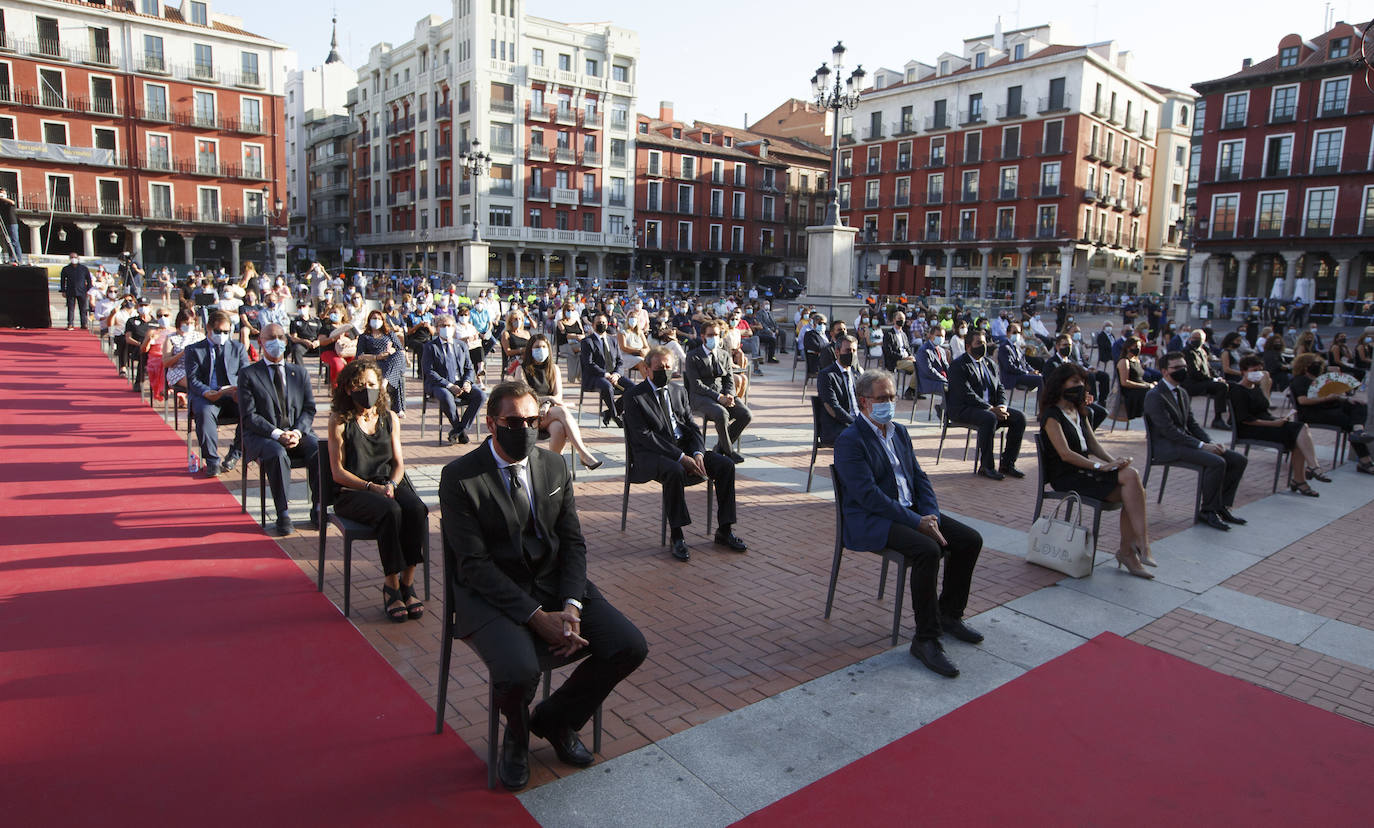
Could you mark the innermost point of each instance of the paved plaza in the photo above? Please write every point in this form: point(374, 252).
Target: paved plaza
point(749, 694)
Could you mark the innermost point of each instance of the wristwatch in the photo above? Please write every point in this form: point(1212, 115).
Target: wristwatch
point(1097, 466)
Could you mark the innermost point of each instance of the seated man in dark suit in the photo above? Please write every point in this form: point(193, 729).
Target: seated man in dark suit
point(890, 504)
point(517, 561)
point(278, 422)
point(601, 365)
point(1176, 435)
point(898, 355)
point(668, 447)
point(1016, 372)
point(711, 391)
point(1202, 378)
point(976, 397)
point(212, 372)
point(932, 365)
point(446, 365)
point(817, 345)
point(835, 387)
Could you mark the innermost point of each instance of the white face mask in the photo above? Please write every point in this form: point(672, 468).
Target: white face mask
point(446, 333)
point(1255, 376)
point(374, 323)
point(939, 340)
point(185, 329)
point(540, 354)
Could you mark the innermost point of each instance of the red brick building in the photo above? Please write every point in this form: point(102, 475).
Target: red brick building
point(1282, 161)
point(713, 201)
point(147, 127)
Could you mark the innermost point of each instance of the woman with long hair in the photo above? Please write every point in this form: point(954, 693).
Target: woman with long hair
point(1250, 405)
point(339, 346)
point(367, 470)
point(539, 372)
point(1130, 377)
point(1076, 462)
point(514, 340)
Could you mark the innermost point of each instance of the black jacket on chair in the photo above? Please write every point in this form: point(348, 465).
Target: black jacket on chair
point(494, 576)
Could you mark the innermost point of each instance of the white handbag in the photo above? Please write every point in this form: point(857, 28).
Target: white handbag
point(1062, 544)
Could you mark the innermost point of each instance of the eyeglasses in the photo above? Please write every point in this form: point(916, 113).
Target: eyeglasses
point(513, 422)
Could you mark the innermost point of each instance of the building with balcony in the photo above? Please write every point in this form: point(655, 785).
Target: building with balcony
point(329, 142)
point(714, 201)
point(1285, 189)
point(1014, 164)
point(149, 127)
point(315, 98)
point(549, 101)
point(1165, 240)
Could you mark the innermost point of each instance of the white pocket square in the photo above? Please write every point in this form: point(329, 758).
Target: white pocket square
point(555, 491)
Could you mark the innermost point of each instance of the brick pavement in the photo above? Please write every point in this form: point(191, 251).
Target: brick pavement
point(728, 630)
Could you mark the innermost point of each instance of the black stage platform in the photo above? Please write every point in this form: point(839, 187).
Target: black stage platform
point(24, 298)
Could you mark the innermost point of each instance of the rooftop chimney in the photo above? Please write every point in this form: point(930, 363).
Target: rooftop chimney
point(1245, 64)
point(665, 110)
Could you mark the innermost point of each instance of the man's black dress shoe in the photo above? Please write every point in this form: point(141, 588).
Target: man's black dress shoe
point(731, 540)
point(1214, 520)
point(735, 457)
point(464, 438)
point(1220, 425)
point(992, 474)
point(566, 743)
point(1225, 514)
point(210, 471)
point(452, 436)
point(513, 766)
point(1011, 471)
point(932, 654)
point(229, 464)
point(285, 526)
point(909, 394)
point(957, 628)
point(680, 550)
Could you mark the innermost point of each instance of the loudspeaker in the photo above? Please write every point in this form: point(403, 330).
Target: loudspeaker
point(24, 298)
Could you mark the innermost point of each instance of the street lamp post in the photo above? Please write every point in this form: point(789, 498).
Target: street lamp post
point(836, 98)
point(477, 164)
point(267, 227)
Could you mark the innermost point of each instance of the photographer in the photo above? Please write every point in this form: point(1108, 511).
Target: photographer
point(130, 274)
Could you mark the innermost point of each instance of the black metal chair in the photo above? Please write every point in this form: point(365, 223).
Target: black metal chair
point(1339, 451)
point(350, 530)
point(548, 662)
point(425, 399)
point(946, 422)
point(817, 417)
point(1247, 442)
point(1151, 462)
point(888, 556)
point(1042, 493)
point(296, 463)
point(663, 524)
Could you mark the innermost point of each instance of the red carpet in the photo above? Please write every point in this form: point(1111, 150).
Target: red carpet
point(1112, 733)
point(162, 662)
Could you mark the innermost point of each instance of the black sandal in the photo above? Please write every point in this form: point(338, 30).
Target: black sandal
point(390, 596)
point(415, 610)
point(1315, 473)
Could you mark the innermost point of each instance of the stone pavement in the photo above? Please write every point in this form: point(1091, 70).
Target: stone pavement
point(749, 694)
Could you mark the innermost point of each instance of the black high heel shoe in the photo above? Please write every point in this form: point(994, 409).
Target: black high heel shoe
point(390, 596)
point(1302, 489)
point(1315, 473)
point(415, 610)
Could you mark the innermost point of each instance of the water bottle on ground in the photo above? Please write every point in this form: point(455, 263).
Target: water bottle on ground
point(192, 462)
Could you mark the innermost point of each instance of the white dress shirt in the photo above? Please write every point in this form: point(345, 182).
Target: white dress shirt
point(903, 485)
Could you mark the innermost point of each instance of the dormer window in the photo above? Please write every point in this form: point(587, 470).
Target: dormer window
point(200, 13)
point(1018, 51)
point(980, 60)
point(151, 7)
point(1288, 56)
point(944, 67)
point(1340, 47)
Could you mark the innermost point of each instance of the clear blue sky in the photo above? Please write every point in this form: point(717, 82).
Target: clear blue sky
point(720, 59)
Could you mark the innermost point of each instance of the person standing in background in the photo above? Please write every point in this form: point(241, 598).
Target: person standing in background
point(75, 283)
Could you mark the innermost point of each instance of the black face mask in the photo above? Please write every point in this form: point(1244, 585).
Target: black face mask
point(365, 397)
point(516, 442)
point(978, 351)
point(660, 377)
point(1178, 375)
point(600, 327)
point(1076, 395)
point(1065, 351)
point(1314, 370)
point(845, 359)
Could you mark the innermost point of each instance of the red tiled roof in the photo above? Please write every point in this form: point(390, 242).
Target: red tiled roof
point(1313, 53)
point(169, 13)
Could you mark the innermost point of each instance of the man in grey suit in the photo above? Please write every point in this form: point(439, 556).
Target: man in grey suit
point(517, 563)
point(1176, 435)
point(447, 369)
point(711, 390)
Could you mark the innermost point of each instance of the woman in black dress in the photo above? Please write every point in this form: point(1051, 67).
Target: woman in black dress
point(1334, 410)
point(540, 373)
point(370, 485)
point(382, 340)
point(1130, 377)
point(1076, 462)
point(1274, 363)
point(1250, 405)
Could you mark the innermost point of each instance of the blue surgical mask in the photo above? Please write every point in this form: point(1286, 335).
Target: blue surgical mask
point(274, 348)
point(883, 412)
point(712, 342)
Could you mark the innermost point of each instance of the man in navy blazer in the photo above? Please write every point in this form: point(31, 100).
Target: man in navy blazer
point(889, 504)
point(976, 397)
point(447, 369)
point(212, 372)
point(278, 411)
point(601, 366)
point(1015, 371)
point(835, 386)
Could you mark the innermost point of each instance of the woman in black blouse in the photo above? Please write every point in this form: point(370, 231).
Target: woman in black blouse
point(1339, 411)
point(1250, 404)
point(1076, 462)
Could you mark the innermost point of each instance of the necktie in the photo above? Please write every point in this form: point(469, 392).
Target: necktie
point(211, 378)
point(279, 380)
point(517, 496)
point(1178, 397)
point(848, 392)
